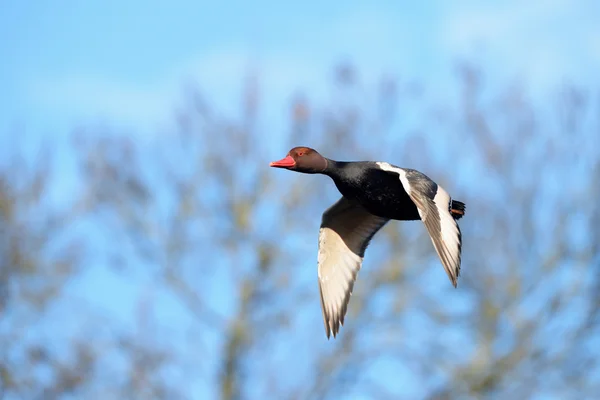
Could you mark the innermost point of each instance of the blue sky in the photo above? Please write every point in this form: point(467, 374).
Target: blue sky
point(68, 63)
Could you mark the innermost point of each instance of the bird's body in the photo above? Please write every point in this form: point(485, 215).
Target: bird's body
point(378, 191)
point(372, 194)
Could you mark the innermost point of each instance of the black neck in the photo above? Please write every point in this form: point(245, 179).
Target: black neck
point(333, 168)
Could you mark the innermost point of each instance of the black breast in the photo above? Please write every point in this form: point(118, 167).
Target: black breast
point(380, 192)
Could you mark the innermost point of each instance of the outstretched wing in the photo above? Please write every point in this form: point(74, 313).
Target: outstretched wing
point(346, 230)
point(433, 203)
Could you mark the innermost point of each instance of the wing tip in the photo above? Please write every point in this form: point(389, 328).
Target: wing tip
point(454, 278)
point(454, 275)
point(332, 327)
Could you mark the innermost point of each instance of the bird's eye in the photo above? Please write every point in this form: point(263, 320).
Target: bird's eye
point(300, 153)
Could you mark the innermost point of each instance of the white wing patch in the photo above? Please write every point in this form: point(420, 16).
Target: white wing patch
point(445, 232)
point(449, 245)
point(402, 173)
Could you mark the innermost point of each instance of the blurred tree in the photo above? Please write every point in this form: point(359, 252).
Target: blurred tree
point(197, 219)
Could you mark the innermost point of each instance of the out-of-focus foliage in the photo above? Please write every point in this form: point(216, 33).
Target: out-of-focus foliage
point(197, 219)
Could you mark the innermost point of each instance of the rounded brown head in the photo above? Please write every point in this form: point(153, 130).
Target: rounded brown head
point(302, 159)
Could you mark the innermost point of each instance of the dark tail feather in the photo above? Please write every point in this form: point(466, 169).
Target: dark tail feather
point(457, 209)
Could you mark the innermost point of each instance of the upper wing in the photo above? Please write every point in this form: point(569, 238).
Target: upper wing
point(433, 203)
point(346, 230)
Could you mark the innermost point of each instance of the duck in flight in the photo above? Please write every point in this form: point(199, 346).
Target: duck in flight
point(372, 194)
